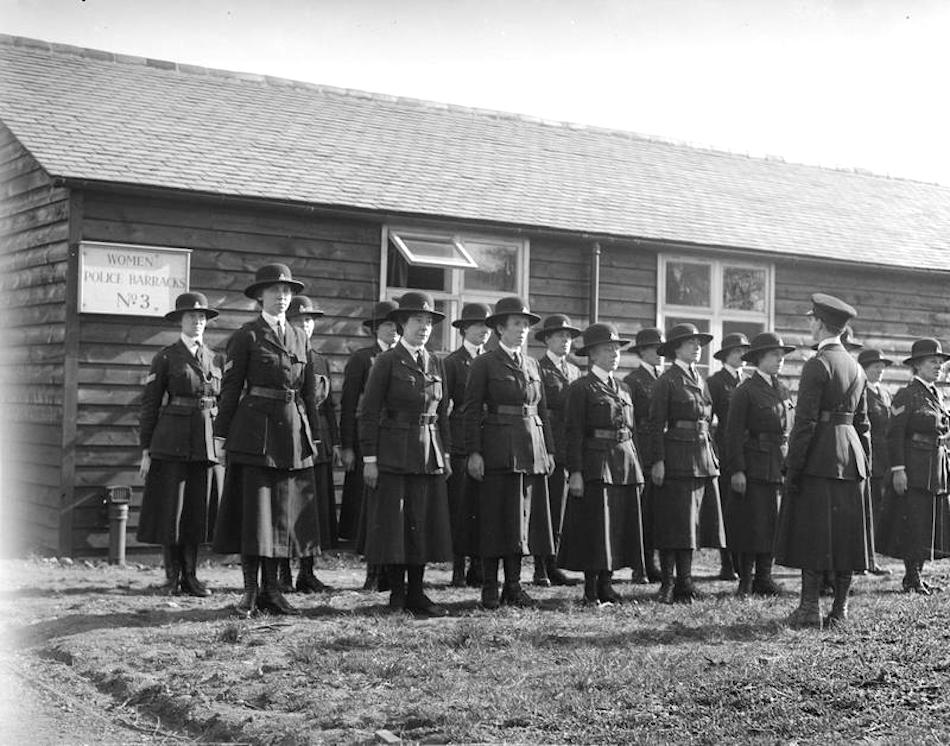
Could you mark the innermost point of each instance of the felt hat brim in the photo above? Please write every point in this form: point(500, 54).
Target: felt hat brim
point(209, 313)
point(496, 317)
point(585, 351)
point(753, 352)
point(399, 315)
point(724, 352)
point(943, 355)
point(542, 334)
point(251, 290)
point(666, 349)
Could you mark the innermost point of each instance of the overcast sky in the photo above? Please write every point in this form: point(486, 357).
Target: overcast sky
point(847, 83)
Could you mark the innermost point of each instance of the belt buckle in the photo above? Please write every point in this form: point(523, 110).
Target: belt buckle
point(205, 403)
point(288, 396)
point(619, 435)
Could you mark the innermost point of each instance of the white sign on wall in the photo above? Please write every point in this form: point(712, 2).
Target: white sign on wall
point(131, 280)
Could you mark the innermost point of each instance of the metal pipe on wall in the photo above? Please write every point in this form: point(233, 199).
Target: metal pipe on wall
point(593, 312)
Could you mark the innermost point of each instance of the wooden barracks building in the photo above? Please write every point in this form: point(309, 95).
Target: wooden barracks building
point(124, 180)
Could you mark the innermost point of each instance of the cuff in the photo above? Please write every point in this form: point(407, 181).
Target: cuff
point(369, 459)
point(898, 468)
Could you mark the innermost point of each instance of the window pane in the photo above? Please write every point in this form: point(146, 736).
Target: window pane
point(497, 267)
point(701, 324)
point(749, 328)
point(401, 274)
point(434, 251)
point(743, 289)
point(687, 284)
point(441, 336)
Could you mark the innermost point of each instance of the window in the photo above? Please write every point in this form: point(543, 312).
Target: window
point(455, 268)
point(719, 296)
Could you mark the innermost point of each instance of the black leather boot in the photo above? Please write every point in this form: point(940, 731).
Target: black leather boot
point(839, 610)
point(764, 584)
point(684, 590)
point(541, 573)
point(189, 581)
point(171, 560)
point(285, 576)
point(912, 582)
point(396, 575)
point(490, 599)
point(605, 589)
point(417, 602)
point(808, 612)
point(667, 563)
point(590, 589)
point(458, 572)
point(746, 566)
point(555, 574)
point(933, 588)
point(307, 582)
point(653, 572)
point(727, 570)
point(513, 594)
point(270, 599)
point(473, 578)
point(250, 566)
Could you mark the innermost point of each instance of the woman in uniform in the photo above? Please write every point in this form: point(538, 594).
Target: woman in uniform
point(511, 454)
point(182, 476)
point(915, 521)
point(404, 437)
point(603, 518)
point(269, 397)
point(755, 445)
point(302, 313)
point(685, 468)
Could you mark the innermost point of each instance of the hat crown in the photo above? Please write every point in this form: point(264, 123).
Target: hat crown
point(600, 332)
point(926, 346)
point(475, 312)
point(683, 331)
point(649, 337)
point(736, 339)
point(301, 304)
point(416, 301)
point(382, 309)
point(556, 321)
point(191, 302)
point(511, 304)
point(870, 355)
point(767, 340)
point(273, 273)
point(831, 309)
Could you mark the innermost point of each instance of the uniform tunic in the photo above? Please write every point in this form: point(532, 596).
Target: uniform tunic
point(184, 480)
point(506, 422)
point(602, 528)
point(354, 381)
point(462, 500)
point(687, 512)
point(555, 394)
point(327, 433)
point(269, 506)
point(916, 525)
point(755, 443)
point(825, 518)
point(641, 382)
point(722, 385)
point(879, 413)
point(403, 423)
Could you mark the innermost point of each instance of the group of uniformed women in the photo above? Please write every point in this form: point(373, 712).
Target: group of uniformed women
point(489, 456)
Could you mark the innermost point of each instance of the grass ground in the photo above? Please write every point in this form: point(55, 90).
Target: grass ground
point(723, 670)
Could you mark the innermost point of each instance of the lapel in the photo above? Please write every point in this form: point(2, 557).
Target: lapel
point(617, 395)
point(545, 362)
point(766, 387)
point(689, 382)
point(506, 360)
point(191, 359)
point(269, 335)
point(928, 394)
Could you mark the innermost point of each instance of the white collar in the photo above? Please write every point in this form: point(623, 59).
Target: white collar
point(685, 366)
point(191, 343)
point(558, 360)
point(272, 321)
point(383, 345)
point(829, 341)
point(512, 351)
point(473, 350)
point(602, 374)
point(766, 376)
point(931, 386)
point(412, 350)
point(733, 371)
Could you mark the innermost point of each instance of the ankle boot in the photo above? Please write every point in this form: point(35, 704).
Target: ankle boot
point(667, 563)
point(764, 585)
point(932, 587)
point(727, 570)
point(652, 569)
point(912, 582)
point(285, 578)
point(490, 599)
point(458, 572)
point(473, 578)
point(417, 602)
point(684, 590)
point(270, 599)
point(250, 566)
point(605, 589)
point(189, 581)
point(307, 581)
point(171, 560)
point(513, 594)
point(827, 584)
point(541, 573)
point(555, 574)
point(372, 572)
point(746, 565)
point(590, 589)
point(382, 579)
point(808, 613)
point(839, 610)
point(396, 574)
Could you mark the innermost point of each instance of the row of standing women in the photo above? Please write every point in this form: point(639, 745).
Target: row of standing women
point(488, 456)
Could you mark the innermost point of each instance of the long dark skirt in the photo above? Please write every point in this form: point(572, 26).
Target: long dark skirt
point(557, 494)
point(351, 502)
point(914, 526)
point(646, 511)
point(603, 529)
point(878, 488)
point(826, 525)
point(408, 520)
point(514, 515)
point(180, 502)
point(268, 512)
point(326, 505)
point(751, 518)
point(463, 503)
point(687, 514)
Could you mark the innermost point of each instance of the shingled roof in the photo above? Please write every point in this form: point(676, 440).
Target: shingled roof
point(94, 115)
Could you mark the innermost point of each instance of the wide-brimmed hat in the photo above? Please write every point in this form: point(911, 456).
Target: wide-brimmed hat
point(380, 314)
point(765, 342)
point(871, 356)
point(679, 333)
point(599, 333)
point(271, 274)
point(415, 302)
point(729, 343)
point(830, 309)
point(649, 337)
point(472, 313)
point(191, 302)
point(926, 347)
point(511, 306)
point(301, 305)
point(557, 322)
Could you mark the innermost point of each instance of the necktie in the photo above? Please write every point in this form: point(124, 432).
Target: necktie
point(612, 383)
point(420, 360)
point(517, 358)
point(280, 332)
point(198, 350)
point(564, 368)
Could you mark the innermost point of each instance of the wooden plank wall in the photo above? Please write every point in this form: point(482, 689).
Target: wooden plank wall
point(338, 261)
point(33, 258)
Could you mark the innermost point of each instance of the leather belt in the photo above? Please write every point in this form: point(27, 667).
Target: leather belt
point(701, 426)
point(618, 436)
point(193, 402)
point(412, 418)
point(513, 410)
point(930, 440)
point(836, 418)
point(778, 438)
point(284, 395)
